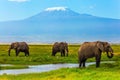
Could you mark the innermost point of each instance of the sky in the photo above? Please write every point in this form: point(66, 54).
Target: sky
point(21, 9)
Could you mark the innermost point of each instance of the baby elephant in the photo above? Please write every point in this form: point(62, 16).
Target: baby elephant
point(93, 49)
point(61, 47)
point(19, 47)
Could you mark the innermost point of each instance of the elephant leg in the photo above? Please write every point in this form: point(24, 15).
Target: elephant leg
point(97, 63)
point(64, 53)
point(80, 64)
point(17, 52)
point(54, 54)
point(98, 58)
point(26, 53)
point(61, 54)
point(84, 62)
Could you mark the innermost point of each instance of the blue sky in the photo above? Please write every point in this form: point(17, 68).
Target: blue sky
point(20, 9)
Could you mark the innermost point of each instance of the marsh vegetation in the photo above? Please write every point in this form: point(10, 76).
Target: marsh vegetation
point(41, 54)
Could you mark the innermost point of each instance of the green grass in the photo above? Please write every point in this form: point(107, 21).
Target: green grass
point(41, 54)
point(107, 71)
point(13, 67)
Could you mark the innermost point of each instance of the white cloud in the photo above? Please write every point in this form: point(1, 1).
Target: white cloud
point(92, 6)
point(18, 0)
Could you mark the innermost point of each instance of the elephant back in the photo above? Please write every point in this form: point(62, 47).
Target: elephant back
point(23, 45)
point(56, 46)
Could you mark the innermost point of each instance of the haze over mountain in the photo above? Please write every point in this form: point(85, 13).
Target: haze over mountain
point(60, 24)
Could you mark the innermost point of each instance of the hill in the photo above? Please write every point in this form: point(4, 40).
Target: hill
point(60, 24)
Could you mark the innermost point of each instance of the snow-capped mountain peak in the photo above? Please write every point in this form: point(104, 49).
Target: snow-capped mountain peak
point(56, 9)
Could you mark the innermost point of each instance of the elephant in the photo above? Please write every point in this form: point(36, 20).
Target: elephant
point(93, 49)
point(61, 47)
point(19, 47)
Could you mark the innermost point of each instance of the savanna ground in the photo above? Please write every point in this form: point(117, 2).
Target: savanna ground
point(41, 54)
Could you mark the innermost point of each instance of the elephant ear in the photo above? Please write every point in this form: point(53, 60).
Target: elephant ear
point(16, 44)
point(100, 45)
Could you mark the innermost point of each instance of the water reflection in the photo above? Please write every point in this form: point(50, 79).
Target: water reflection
point(43, 68)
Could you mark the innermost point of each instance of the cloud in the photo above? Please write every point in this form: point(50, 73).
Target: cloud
point(92, 6)
point(18, 0)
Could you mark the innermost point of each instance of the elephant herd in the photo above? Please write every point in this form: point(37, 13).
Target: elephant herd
point(86, 50)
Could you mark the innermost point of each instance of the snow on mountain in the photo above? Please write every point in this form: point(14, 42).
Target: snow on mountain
point(54, 13)
point(56, 9)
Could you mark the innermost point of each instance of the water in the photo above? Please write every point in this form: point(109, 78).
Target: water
point(43, 68)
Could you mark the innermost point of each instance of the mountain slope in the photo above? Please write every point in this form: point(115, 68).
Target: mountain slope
point(62, 25)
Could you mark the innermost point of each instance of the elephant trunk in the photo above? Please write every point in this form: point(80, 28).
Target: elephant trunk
point(9, 52)
point(53, 52)
point(67, 51)
point(110, 54)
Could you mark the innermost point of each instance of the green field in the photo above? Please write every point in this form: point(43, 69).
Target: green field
point(41, 54)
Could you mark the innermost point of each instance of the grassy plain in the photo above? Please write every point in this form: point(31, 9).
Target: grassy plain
point(105, 72)
point(41, 54)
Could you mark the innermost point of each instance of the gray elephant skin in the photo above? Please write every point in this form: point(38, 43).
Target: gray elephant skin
point(19, 47)
point(93, 49)
point(61, 47)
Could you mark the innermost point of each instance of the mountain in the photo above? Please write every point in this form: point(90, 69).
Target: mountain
point(60, 24)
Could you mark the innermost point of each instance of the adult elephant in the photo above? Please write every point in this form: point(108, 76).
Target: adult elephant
point(61, 47)
point(19, 47)
point(93, 49)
